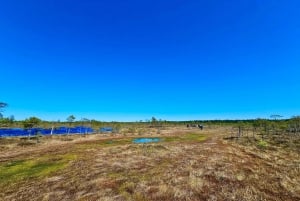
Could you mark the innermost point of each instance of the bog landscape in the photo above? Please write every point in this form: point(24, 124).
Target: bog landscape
point(155, 160)
point(150, 100)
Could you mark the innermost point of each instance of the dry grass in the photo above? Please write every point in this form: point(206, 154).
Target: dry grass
point(184, 166)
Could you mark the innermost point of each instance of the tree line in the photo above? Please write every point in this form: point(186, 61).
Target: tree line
point(274, 124)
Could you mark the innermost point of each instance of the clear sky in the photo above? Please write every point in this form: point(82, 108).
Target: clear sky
point(131, 60)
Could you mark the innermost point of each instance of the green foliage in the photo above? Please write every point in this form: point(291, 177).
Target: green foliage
point(2, 105)
point(31, 122)
point(4, 122)
point(39, 167)
point(71, 118)
point(262, 144)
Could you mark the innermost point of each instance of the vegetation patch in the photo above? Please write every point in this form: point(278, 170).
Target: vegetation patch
point(262, 144)
point(189, 137)
point(18, 170)
point(115, 142)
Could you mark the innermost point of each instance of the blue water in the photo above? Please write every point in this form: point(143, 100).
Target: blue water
point(145, 140)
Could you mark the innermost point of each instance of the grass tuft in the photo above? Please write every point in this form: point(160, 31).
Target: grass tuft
point(262, 144)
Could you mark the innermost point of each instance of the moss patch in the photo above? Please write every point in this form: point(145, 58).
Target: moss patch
point(18, 170)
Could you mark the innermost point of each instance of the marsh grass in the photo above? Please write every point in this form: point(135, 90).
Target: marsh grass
point(183, 166)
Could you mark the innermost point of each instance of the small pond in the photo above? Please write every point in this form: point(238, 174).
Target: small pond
point(145, 140)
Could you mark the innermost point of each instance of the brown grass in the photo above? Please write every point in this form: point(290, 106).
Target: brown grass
point(182, 167)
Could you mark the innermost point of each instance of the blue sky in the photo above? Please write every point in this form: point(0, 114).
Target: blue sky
point(131, 60)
